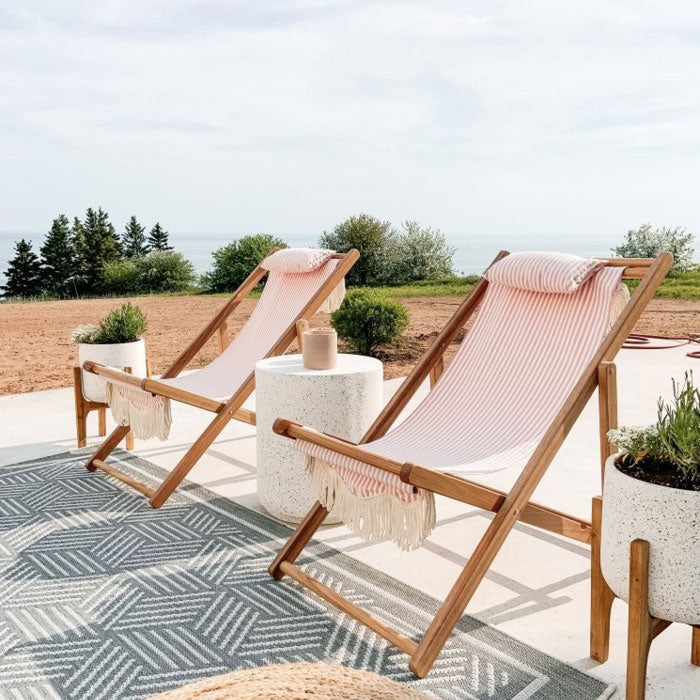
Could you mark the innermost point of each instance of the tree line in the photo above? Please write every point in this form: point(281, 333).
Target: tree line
point(74, 256)
point(89, 258)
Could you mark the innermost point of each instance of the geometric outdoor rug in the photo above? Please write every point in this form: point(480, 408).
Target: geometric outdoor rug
point(102, 597)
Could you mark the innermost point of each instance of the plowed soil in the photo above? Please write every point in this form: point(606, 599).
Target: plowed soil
point(37, 352)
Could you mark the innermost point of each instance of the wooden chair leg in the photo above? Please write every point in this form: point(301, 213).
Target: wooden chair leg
point(302, 326)
point(602, 596)
point(189, 459)
point(695, 647)
point(102, 421)
point(642, 627)
point(130, 435)
point(80, 413)
point(296, 543)
point(607, 410)
point(436, 370)
point(106, 448)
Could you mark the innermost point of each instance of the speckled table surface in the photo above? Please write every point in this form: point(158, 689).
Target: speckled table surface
point(342, 401)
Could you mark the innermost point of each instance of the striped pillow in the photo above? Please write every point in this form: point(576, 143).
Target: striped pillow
point(556, 273)
point(296, 259)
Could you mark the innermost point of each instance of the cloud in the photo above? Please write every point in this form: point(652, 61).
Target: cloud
point(482, 118)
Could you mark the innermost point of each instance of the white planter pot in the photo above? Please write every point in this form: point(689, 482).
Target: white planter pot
point(669, 519)
point(119, 355)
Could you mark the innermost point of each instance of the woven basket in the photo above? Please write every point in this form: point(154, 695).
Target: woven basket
point(301, 681)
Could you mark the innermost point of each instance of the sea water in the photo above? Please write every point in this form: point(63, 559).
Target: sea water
point(473, 252)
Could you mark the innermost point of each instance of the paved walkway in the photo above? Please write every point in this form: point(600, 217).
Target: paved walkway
point(538, 587)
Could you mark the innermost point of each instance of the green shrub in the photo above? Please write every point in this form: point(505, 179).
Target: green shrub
point(370, 236)
point(123, 325)
point(121, 277)
point(234, 262)
point(159, 271)
point(648, 242)
point(415, 254)
point(366, 318)
point(674, 438)
point(164, 271)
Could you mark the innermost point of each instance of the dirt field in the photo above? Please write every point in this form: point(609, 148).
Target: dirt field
point(38, 354)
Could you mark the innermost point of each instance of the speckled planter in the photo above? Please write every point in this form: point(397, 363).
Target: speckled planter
point(119, 355)
point(669, 519)
point(342, 401)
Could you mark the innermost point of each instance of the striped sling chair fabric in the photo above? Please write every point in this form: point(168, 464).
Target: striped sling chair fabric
point(300, 282)
point(542, 319)
point(543, 340)
point(285, 294)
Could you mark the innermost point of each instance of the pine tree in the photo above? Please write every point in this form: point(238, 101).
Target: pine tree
point(58, 258)
point(78, 240)
point(134, 239)
point(100, 245)
point(158, 238)
point(23, 272)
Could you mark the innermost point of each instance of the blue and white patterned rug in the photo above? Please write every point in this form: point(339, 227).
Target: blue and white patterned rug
point(102, 597)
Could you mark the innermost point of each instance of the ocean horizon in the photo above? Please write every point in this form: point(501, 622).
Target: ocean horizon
point(473, 253)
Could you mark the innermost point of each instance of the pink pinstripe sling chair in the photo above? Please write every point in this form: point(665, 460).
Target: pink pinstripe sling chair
point(300, 283)
point(546, 332)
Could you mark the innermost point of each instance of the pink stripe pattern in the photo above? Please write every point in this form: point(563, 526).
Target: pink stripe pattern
point(282, 300)
point(490, 408)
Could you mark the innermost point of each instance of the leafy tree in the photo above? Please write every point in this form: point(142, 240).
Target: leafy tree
point(23, 272)
point(647, 242)
point(158, 238)
point(134, 239)
point(159, 271)
point(416, 253)
point(370, 236)
point(99, 245)
point(58, 258)
point(234, 262)
point(367, 318)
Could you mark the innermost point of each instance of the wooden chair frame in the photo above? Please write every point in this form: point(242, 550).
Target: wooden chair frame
point(225, 411)
point(509, 507)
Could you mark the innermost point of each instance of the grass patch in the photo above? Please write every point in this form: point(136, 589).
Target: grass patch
point(452, 286)
point(677, 285)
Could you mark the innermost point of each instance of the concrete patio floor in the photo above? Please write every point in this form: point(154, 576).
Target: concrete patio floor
point(538, 587)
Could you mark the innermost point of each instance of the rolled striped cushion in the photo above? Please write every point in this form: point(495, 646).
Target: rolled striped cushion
point(296, 259)
point(554, 273)
point(488, 411)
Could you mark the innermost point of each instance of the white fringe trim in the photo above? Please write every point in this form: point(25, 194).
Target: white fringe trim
point(377, 517)
point(619, 302)
point(334, 299)
point(152, 418)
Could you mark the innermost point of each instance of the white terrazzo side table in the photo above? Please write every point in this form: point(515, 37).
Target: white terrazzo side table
point(343, 401)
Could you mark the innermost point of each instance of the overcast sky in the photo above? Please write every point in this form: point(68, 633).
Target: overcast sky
point(480, 118)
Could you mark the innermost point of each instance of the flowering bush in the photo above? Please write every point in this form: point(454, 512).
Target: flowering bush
point(648, 242)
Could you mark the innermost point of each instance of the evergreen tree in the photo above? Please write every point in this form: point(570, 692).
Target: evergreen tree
point(23, 272)
point(134, 239)
point(58, 260)
point(158, 238)
point(78, 240)
point(100, 244)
